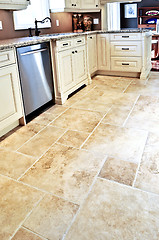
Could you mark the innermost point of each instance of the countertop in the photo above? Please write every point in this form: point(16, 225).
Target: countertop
point(19, 42)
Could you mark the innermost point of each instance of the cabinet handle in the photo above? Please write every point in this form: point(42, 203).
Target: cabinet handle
point(125, 48)
point(90, 37)
point(96, 5)
point(72, 4)
point(65, 44)
point(76, 51)
point(125, 36)
point(75, 5)
point(73, 52)
point(79, 41)
point(125, 64)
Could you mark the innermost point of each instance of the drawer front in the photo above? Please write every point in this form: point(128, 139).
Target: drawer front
point(126, 48)
point(7, 58)
point(126, 64)
point(64, 44)
point(125, 36)
point(79, 41)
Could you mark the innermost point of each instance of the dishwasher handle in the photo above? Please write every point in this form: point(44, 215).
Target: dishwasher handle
point(34, 51)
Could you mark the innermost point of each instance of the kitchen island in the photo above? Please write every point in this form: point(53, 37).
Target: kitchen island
point(75, 58)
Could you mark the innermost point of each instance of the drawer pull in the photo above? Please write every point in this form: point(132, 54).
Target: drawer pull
point(125, 64)
point(79, 41)
point(90, 37)
point(73, 52)
point(76, 51)
point(125, 36)
point(96, 5)
point(125, 48)
point(65, 44)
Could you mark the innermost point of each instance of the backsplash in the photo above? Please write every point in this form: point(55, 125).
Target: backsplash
point(65, 20)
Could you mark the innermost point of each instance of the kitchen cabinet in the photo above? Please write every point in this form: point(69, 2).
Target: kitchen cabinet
point(92, 53)
point(10, 94)
point(14, 4)
point(71, 70)
point(103, 51)
point(75, 6)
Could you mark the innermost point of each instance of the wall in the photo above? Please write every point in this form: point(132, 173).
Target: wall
point(132, 22)
point(65, 24)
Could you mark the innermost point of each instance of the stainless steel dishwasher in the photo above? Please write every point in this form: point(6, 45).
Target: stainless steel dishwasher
point(36, 76)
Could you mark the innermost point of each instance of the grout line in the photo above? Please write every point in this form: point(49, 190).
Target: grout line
point(95, 128)
point(35, 205)
point(128, 86)
point(41, 155)
point(131, 111)
point(81, 205)
point(35, 233)
point(137, 171)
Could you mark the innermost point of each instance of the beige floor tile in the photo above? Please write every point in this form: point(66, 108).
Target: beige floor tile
point(16, 202)
point(147, 89)
point(117, 115)
point(18, 138)
point(14, 164)
point(24, 234)
point(116, 212)
point(56, 110)
point(65, 172)
point(119, 171)
point(89, 104)
point(42, 141)
point(117, 142)
point(148, 175)
point(44, 119)
point(153, 138)
point(145, 114)
point(73, 138)
point(77, 119)
point(51, 217)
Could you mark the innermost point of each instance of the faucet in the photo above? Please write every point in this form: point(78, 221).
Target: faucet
point(36, 25)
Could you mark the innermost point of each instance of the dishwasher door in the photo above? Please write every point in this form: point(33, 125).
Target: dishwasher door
point(36, 76)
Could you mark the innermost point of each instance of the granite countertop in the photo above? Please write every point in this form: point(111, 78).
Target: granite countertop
point(19, 42)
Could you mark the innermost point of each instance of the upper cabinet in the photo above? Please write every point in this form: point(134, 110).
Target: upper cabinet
point(75, 5)
point(14, 4)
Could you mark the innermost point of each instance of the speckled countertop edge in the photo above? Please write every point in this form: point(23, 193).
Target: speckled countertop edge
point(19, 42)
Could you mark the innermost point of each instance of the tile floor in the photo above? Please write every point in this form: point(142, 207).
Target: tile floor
point(88, 169)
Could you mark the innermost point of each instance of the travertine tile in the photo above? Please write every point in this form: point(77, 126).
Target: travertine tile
point(18, 138)
point(56, 110)
point(77, 119)
point(119, 171)
point(147, 89)
point(117, 115)
point(24, 234)
point(51, 217)
point(16, 201)
point(153, 138)
point(13, 164)
point(73, 138)
point(92, 105)
point(42, 141)
point(44, 119)
point(122, 143)
point(112, 211)
point(148, 175)
point(65, 172)
point(145, 114)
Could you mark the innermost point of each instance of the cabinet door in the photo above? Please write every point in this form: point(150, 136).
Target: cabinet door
point(10, 96)
point(87, 4)
point(80, 66)
point(103, 52)
point(72, 3)
point(92, 53)
point(66, 59)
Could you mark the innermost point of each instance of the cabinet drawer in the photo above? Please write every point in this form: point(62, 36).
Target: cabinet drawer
point(7, 58)
point(125, 36)
point(126, 48)
point(64, 44)
point(126, 64)
point(79, 41)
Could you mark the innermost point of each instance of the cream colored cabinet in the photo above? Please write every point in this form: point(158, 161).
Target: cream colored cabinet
point(90, 4)
point(72, 4)
point(92, 53)
point(103, 51)
point(10, 94)
point(71, 70)
point(14, 4)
